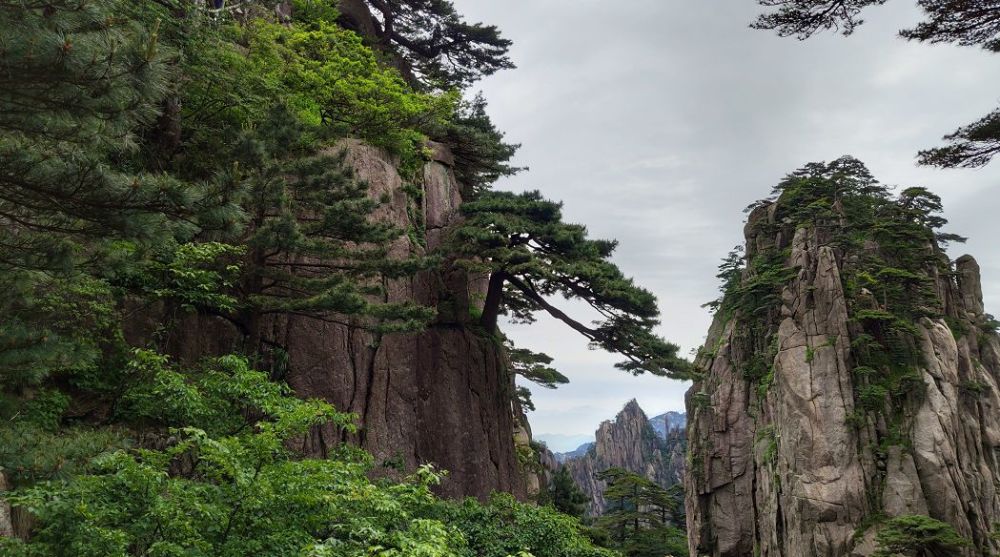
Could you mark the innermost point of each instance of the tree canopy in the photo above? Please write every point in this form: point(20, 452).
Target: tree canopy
point(641, 517)
point(918, 536)
point(563, 494)
point(520, 241)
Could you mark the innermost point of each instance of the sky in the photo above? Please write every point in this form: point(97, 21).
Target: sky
point(657, 121)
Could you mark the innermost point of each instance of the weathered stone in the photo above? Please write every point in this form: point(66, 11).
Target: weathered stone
point(784, 473)
point(442, 396)
point(970, 284)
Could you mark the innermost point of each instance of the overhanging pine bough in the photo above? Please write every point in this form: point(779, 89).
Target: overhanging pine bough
point(530, 255)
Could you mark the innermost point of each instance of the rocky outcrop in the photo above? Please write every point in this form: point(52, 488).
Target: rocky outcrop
point(796, 453)
point(631, 443)
point(442, 396)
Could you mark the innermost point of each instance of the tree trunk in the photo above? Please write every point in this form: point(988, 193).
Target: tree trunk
point(494, 297)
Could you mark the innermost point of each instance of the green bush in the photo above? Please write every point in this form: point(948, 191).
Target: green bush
point(917, 536)
point(227, 483)
point(505, 527)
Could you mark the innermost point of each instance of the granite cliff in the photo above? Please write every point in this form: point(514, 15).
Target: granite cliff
point(850, 378)
point(441, 396)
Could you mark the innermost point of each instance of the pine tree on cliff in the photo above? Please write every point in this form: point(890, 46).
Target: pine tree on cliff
point(960, 22)
point(76, 86)
point(314, 249)
point(531, 255)
point(565, 495)
point(433, 39)
point(638, 515)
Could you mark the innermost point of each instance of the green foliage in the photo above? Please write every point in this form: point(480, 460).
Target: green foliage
point(35, 445)
point(216, 396)
point(227, 482)
point(701, 399)
point(314, 247)
point(481, 155)
point(957, 327)
point(917, 536)
point(504, 527)
point(760, 290)
point(331, 79)
point(51, 323)
point(730, 275)
point(193, 275)
point(966, 23)
point(528, 457)
point(769, 435)
point(530, 254)
point(80, 83)
point(564, 495)
point(658, 542)
point(974, 388)
point(30, 454)
point(533, 366)
point(230, 489)
point(642, 518)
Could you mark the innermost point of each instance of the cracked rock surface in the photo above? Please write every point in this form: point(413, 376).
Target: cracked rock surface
point(781, 470)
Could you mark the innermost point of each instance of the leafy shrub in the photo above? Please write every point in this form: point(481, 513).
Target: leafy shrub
point(228, 483)
point(505, 527)
point(917, 536)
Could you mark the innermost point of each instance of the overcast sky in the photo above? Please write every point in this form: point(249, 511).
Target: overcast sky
point(658, 121)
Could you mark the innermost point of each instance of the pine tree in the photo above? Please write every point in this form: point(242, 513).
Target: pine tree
point(432, 39)
point(77, 85)
point(918, 536)
point(481, 155)
point(530, 254)
point(533, 366)
point(565, 495)
point(640, 515)
point(314, 249)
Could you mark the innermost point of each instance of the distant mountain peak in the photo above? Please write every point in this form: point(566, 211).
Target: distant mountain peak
point(652, 447)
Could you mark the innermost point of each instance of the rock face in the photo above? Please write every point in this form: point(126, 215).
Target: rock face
point(797, 464)
point(443, 396)
point(631, 443)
